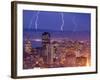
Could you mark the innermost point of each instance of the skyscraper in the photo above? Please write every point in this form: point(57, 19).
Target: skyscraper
point(28, 46)
point(46, 47)
point(45, 38)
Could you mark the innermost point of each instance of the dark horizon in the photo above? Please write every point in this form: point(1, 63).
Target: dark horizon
point(35, 36)
point(60, 34)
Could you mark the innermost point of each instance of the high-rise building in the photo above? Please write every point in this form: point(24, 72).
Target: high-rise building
point(28, 46)
point(45, 38)
point(46, 47)
point(54, 46)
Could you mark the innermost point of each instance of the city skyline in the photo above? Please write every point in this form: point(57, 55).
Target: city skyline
point(56, 53)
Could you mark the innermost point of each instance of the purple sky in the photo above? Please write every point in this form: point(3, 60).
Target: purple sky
point(53, 21)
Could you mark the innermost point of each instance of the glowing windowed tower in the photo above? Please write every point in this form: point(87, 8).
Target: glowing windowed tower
point(45, 38)
point(46, 46)
point(28, 47)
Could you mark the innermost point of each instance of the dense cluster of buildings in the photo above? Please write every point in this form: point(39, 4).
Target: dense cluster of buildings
point(56, 53)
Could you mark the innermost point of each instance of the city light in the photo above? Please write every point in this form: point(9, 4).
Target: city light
point(55, 53)
point(37, 40)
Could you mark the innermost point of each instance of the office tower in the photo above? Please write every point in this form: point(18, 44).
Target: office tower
point(46, 47)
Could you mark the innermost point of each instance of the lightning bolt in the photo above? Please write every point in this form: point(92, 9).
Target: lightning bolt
point(31, 22)
point(75, 24)
point(62, 25)
point(36, 21)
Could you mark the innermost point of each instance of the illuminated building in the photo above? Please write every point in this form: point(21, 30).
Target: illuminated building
point(28, 46)
point(81, 61)
point(28, 56)
point(45, 38)
point(54, 47)
point(46, 47)
point(70, 59)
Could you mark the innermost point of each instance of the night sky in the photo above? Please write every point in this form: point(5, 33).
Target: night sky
point(53, 21)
